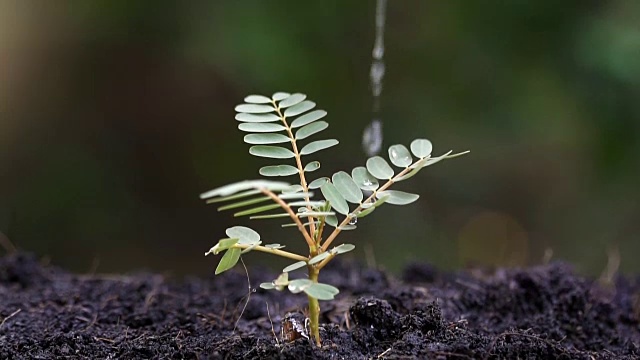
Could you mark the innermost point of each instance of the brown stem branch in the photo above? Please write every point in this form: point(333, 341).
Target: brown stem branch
point(292, 215)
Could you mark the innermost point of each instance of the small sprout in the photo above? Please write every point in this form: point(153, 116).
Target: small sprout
point(275, 125)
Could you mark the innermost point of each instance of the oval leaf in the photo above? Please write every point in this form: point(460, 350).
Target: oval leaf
point(229, 260)
point(254, 108)
point(318, 182)
point(331, 220)
point(258, 139)
point(274, 152)
point(396, 197)
point(278, 170)
point(312, 166)
point(291, 100)
point(257, 118)
point(318, 145)
point(256, 210)
point(343, 248)
point(316, 259)
point(313, 128)
point(400, 156)
point(257, 99)
point(366, 211)
point(292, 189)
point(347, 187)
point(260, 127)
point(280, 96)
point(364, 179)
point(299, 108)
point(308, 118)
point(332, 195)
point(231, 189)
point(245, 234)
point(421, 147)
point(379, 168)
point(295, 266)
point(321, 291)
point(267, 285)
point(298, 285)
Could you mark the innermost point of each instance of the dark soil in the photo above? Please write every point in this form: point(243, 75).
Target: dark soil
point(545, 312)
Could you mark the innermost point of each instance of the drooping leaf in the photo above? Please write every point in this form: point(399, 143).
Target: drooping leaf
point(298, 285)
point(269, 216)
point(313, 128)
point(256, 210)
point(254, 108)
point(312, 166)
point(318, 182)
point(307, 203)
point(228, 260)
point(316, 213)
point(257, 118)
point(222, 245)
point(379, 168)
point(251, 247)
point(291, 100)
point(278, 170)
point(298, 195)
point(343, 248)
point(299, 108)
point(347, 187)
point(316, 259)
point(308, 118)
point(434, 160)
point(396, 197)
point(274, 152)
point(366, 212)
point(292, 189)
point(245, 234)
point(321, 291)
point(318, 145)
point(295, 266)
point(244, 203)
point(364, 179)
point(233, 197)
point(421, 147)
point(259, 139)
point(231, 189)
point(257, 99)
point(332, 195)
point(260, 127)
point(280, 96)
point(400, 156)
point(415, 168)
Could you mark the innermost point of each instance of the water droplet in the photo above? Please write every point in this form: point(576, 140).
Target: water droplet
point(353, 219)
point(367, 182)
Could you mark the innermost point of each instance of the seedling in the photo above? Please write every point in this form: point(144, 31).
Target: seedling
point(287, 119)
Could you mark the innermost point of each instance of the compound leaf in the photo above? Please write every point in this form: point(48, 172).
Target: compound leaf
point(257, 99)
point(400, 156)
point(299, 108)
point(308, 118)
point(258, 139)
point(396, 197)
point(278, 170)
point(229, 260)
point(291, 100)
point(260, 127)
point(313, 128)
point(347, 187)
point(274, 152)
point(332, 195)
point(254, 108)
point(318, 145)
point(379, 168)
point(421, 147)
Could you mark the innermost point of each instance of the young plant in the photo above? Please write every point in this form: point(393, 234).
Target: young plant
point(287, 119)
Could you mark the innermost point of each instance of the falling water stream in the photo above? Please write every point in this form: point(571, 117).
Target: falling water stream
point(372, 135)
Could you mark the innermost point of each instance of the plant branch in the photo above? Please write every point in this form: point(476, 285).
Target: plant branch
point(278, 252)
point(324, 262)
point(292, 215)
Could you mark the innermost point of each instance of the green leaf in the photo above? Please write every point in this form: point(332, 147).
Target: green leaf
point(318, 182)
point(299, 108)
point(260, 127)
point(298, 285)
point(222, 245)
point(347, 187)
point(292, 189)
point(331, 220)
point(256, 210)
point(313, 128)
point(307, 203)
point(244, 203)
point(245, 234)
point(366, 212)
point(332, 195)
point(343, 248)
point(348, 227)
point(298, 195)
point(316, 213)
point(316, 259)
point(278, 170)
point(318, 145)
point(231, 189)
point(257, 118)
point(308, 118)
point(280, 96)
point(257, 99)
point(400, 156)
point(233, 197)
point(267, 285)
point(379, 168)
point(321, 291)
point(229, 260)
point(274, 152)
point(434, 160)
point(251, 247)
point(398, 197)
point(291, 100)
point(274, 246)
point(270, 216)
point(295, 266)
point(266, 139)
point(312, 166)
point(254, 109)
point(364, 179)
point(421, 147)
point(282, 279)
point(417, 166)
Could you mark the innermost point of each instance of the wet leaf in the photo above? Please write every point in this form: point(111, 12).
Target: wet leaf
point(308, 118)
point(295, 266)
point(364, 179)
point(278, 170)
point(312, 166)
point(299, 108)
point(379, 168)
point(400, 156)
point(347, 187)
point(396, 197)
point(332, 195)
point(229, 260)
point(254, 108)
point(260, 127)
point(298, 285)
point(311, 129)
point(318, 145)
point(421, 147)
point(258, 139)
point(274, 152)
point(291, 100)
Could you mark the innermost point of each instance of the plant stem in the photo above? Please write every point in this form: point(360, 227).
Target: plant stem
point(278, 252)
point(293, 216)
point(314, 308)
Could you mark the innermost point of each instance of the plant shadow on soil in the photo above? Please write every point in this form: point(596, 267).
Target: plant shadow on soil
point(543, 312)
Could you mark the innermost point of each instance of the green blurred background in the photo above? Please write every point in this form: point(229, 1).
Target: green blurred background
point(116, 115)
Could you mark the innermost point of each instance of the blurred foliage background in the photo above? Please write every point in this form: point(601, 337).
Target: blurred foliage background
point(116, 115)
